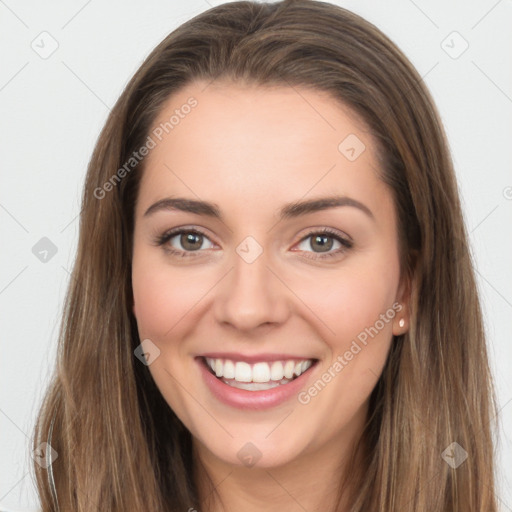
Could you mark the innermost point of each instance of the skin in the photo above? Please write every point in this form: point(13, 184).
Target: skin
point(250, 150)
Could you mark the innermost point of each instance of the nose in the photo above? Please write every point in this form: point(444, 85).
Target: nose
point(252, 295)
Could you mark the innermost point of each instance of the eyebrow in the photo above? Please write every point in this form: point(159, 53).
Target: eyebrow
point(288, 211)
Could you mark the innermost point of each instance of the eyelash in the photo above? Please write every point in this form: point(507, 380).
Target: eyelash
point(165, 237)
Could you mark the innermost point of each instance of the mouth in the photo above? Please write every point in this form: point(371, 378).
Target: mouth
point(258, 376)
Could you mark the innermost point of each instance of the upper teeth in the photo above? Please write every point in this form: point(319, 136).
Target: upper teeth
point(258, 372)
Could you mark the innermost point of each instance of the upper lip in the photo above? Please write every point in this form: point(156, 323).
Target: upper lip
point(255, 358)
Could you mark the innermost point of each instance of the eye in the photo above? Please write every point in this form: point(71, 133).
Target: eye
point(324, 240)
point(190, 240)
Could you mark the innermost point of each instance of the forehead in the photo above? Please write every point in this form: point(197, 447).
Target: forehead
point(253, 146)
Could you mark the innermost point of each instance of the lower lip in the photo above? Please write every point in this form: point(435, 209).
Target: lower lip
point(253, 400)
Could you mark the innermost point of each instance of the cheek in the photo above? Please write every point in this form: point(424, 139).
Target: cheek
point(166, 297)
point(352, 301)
point(359, 315)
point(157, 294)
point(160, 299)
point(363, 324)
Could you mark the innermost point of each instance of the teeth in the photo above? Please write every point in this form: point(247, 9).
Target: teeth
point(262, 372)
point(276, 371)
point(254, 386)
point(242, 371)
point(306, 365)
point(229, 369)
point(288, 369)
point(218, 368)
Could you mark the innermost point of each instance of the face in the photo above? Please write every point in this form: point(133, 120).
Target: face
point(258, 286)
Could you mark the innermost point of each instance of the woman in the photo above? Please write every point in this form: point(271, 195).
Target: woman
point(273, 304)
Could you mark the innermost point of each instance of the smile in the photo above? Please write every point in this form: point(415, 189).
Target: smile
point(258, 376)
point(265, 382)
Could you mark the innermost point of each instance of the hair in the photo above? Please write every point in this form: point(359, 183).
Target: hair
point(120, 446)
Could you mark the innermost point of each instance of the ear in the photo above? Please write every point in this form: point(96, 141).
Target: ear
point(401, 321)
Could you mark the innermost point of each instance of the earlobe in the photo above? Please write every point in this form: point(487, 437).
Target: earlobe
point(400, 325)
point(401, 321)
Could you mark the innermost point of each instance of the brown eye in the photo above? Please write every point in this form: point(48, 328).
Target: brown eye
point(191, 241)
point(183, 242)
point(322, 242)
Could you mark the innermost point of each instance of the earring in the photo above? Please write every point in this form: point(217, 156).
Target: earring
point(401, 323)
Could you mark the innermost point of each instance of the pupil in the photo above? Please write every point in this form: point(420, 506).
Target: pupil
point(323, 245)
point(190, 238)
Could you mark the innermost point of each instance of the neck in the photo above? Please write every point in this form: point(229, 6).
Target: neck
point(311, 481)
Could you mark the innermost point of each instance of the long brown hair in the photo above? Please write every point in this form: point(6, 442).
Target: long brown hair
point(120, 446)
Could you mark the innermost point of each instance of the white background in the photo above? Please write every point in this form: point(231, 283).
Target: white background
point(52, 111)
